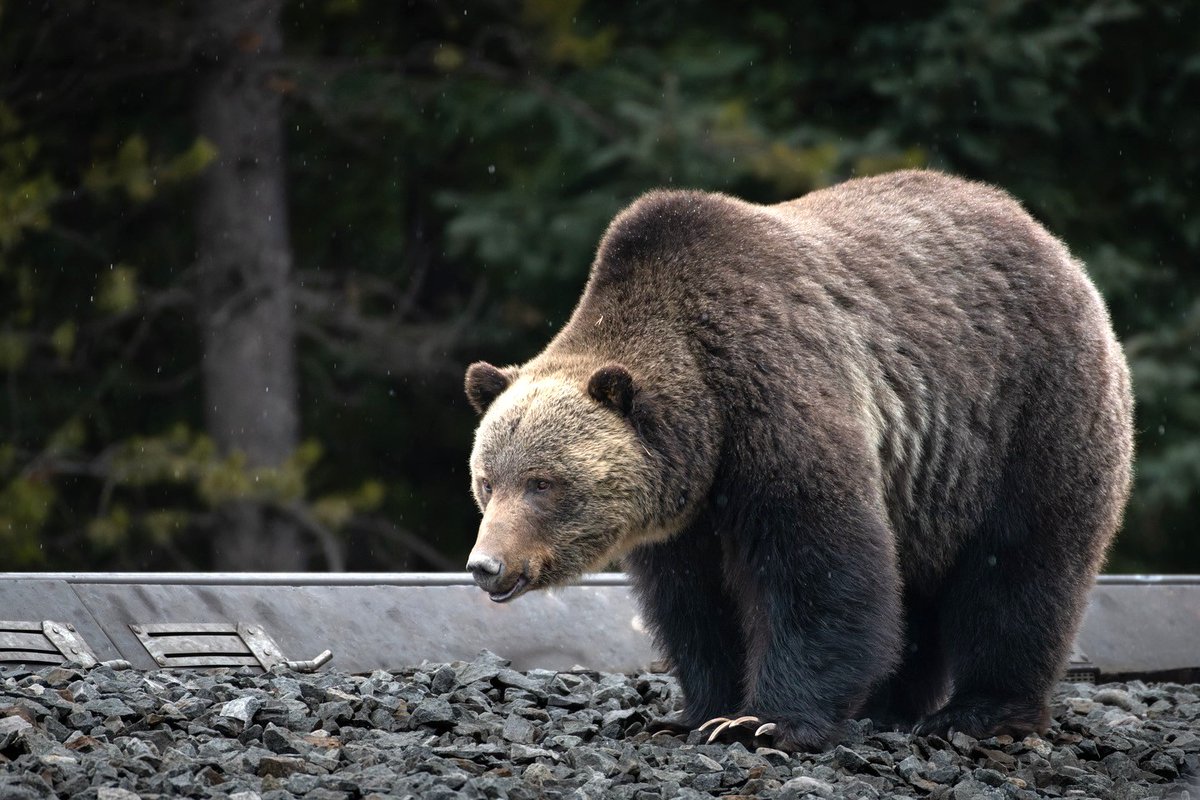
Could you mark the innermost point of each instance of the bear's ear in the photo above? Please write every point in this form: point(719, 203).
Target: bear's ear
point(613, 386)
point(484, 384)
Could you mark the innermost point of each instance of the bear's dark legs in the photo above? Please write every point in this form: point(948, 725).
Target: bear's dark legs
point(682, 596)
point(919, 686)
point(1012, 602)
point(821, 630)
point(1008, 615)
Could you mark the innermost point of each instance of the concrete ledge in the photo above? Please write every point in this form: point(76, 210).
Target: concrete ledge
point(1135, 624)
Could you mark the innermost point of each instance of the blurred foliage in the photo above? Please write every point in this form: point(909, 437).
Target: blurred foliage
point(450, 172)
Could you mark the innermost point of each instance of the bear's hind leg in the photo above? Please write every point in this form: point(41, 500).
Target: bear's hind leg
point(920, 684)
point(1013, 600)
point(1009, 612)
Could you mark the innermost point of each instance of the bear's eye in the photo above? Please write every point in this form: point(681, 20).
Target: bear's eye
point(486, 485)
point(539, 485)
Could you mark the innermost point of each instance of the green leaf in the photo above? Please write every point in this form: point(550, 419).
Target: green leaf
point(62, 339)
point(25, 505)
point(110, 531)
point(118, 290)
point(14, 349)
point(70, 437)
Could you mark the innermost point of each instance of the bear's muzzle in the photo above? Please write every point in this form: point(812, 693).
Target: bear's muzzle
point(491, 576)
point(496, 561)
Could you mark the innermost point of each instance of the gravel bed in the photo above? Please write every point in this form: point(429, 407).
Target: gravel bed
point(483, 730)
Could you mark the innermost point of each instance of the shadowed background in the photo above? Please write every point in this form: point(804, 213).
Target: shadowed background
point(247, 247)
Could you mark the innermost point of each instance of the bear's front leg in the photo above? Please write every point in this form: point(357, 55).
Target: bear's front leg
point(819, 593)
point(680, 589)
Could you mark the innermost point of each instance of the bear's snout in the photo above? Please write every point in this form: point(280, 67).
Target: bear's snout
point(485, 569)
point(503, 563)
point(490, 575)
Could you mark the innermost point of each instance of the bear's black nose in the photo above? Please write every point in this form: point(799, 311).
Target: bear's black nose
point(485, 569)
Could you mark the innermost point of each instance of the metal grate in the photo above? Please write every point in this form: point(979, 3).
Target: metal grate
point(1080, 668)
point(45, 642)
point(202, 644)
point(216, 644)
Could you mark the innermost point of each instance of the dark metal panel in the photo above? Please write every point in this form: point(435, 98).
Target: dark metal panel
point(1140, 627)
point(209, 661)
point(370, 627)
point(196, 645)
point(1133, 623)
point(183, 628)
point(23, 625)
point(33, 598)
point(14, 640)
point(32, 657)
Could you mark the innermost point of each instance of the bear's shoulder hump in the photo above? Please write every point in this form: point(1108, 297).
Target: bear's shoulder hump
point(662, 224)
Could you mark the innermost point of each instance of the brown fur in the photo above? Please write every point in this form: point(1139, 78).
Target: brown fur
point(889, 413)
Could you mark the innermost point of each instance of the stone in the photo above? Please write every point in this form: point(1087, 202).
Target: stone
point(444, 680)
point(989, 776)
point(1120, 766)
point(504, 733)
point(281, 766)
point(108, 707)
point(278, 740)
point(434, 712)
point(1118, 697)
point(975, 790)
point(702, 763)
point(568, 701)
point(509, 677)
point(519, 729)
point(241, 708)
point(591, 759)
point(116, 793)
point(962, 743)
point(848, 759)
point(13, 728)
point(1080, 705)
point(1162, 765)
point(538, 775)
point(804, 785)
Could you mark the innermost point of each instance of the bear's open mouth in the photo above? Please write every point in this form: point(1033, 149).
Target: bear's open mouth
point(518, 587)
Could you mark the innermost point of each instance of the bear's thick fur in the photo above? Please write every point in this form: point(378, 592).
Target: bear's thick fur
point(861, 452)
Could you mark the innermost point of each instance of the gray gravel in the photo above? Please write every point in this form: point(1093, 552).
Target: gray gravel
point(483, 730)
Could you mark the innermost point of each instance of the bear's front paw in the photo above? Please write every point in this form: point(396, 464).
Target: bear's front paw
point(983, 718)
point(729, 725)
point(788, 736)
point(673, 724)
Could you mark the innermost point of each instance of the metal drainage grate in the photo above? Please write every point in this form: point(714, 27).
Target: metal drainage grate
point(1080, 668)
point(217, 644)
point(46, 642)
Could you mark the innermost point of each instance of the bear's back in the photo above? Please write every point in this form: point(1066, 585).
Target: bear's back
point(924, 306)
point(909, 253)
point(941, 229)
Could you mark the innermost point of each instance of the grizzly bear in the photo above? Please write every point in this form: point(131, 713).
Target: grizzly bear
point(861, 453)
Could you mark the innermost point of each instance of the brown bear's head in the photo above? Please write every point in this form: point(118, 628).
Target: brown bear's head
point(563, 480)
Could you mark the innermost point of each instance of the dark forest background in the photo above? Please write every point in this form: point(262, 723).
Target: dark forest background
point(247, 247)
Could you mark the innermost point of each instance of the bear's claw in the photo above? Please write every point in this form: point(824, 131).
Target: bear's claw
point(672, 724)
point(726, 723)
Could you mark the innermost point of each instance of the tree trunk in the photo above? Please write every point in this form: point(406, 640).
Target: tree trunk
point(244, 264)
